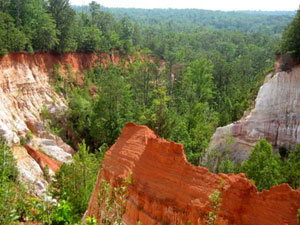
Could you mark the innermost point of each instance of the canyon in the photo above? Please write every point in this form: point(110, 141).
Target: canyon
point(166, 189)
point(25, 89)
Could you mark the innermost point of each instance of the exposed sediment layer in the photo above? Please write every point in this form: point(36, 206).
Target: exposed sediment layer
point(167, 189)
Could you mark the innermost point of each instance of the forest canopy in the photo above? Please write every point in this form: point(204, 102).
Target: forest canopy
point(214, 63)
point(291, 38)
point(190, 72)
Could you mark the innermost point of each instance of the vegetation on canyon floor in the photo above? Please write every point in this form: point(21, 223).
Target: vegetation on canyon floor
point(194, 78)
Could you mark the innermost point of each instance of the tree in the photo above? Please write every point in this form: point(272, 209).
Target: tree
point(199, 81)
point(75, 182)
point(263, 166)
point(291, 168)
point(126, 34)
point(94, 10)
point(112, 106)
point(11, 39)
point(159, 116)
point(90, 40)
point(38, 25)
point(291, 38)
point(4, 5)
point(202, 122)
point(63, 15)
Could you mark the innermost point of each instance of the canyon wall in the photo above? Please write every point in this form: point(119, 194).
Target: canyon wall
point(25, 88)
point(166, 189)
point(275, 117)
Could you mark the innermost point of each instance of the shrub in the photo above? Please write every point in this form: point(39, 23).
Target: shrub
point(291, 168)
point(112, 201)
point(75, 181)
point(23, 141)
point(263, 166)
point(8, 190)
point(62, 214)
point(29, 135)
point(8, 168)
point(215, 204)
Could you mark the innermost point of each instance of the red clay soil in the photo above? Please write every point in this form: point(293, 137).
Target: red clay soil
point(167, 189)
point(43, 160)
point(78, 62)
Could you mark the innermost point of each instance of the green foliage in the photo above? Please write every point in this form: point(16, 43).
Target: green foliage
point(37, 209)
point(23, 141)
point(29, 135)
point(11, 39)
point(63, 16)
point(74, 183)
point(203, 122)
point(215, 204)
point(62, 214)
point(291, 168)
point(199, 80)
point(9, 208)
point(187, 19)
point(298, 216)
point(226, 166)
point(8, 169)
point(291, 38)
point(112, 201)
point(263, 166)
point(91, 221)
point(47, 173)
point(37, 24)
point(90, 40)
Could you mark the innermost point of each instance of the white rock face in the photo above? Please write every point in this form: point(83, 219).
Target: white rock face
point(30, 172)
point(24, 89)
point(50, 147)
point(276, 117)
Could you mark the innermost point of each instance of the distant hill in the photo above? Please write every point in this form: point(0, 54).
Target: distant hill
point(272, 22)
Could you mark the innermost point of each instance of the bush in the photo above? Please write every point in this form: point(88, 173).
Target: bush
point(291, 168)
point(215, 204)
point(29, 135)
point(263, 166)
point(112, 201)
point(75, 181)
point(62, 214)
point(8, 191)
point(8, 168)
point(23, 141)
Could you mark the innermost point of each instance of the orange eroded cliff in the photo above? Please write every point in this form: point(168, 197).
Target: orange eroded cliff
point(167, 189)
point(25, 88)
point(45, 61)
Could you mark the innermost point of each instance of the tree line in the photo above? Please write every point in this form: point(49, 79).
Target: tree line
point(53, 25)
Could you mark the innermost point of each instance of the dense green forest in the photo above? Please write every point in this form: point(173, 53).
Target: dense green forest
point(193, 70)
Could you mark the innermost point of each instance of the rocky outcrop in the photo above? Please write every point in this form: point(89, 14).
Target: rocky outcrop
point(275, 117)
point(167, 189)
point(25, 88)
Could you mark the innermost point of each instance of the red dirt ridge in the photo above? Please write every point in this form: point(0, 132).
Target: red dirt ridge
point(167, 189)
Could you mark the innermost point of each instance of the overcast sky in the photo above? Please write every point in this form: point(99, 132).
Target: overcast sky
point(269, 5)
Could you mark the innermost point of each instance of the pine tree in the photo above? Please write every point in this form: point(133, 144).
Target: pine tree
point(263, 166)
point(291, 38)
